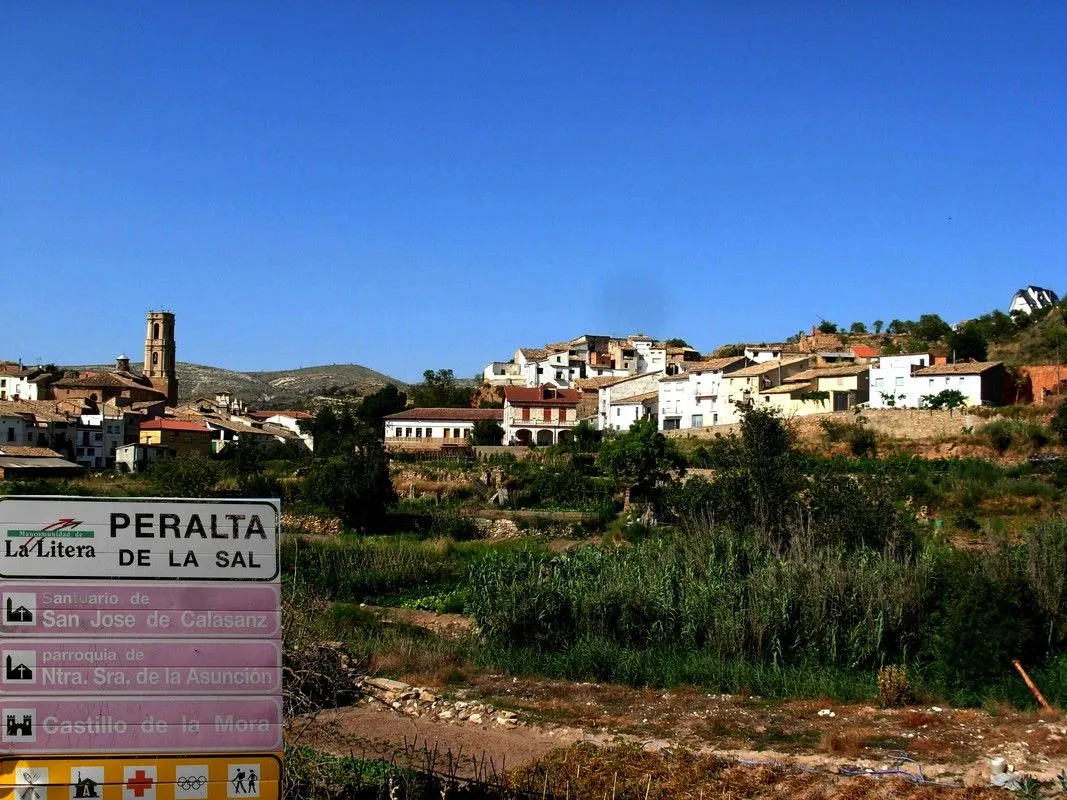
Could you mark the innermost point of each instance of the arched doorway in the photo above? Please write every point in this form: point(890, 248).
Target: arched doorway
point(565, 437)
point(544, 437)
point(524, 437)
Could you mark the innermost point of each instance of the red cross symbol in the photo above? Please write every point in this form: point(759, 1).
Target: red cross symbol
point(140, 783)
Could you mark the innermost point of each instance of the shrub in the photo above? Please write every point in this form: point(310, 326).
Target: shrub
point(1000, 435)
point(894, 689)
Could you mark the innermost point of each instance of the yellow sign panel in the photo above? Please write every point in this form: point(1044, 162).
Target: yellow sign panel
point(241, 776)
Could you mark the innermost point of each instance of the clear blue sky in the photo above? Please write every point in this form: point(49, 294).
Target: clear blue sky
point(415, 185)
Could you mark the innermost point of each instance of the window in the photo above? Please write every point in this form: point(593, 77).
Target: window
point(418, 433)
point(526, 413)
point(898, 381)
point(931, 383)
point(714, 419)
point(11, 434)
point(698, 420)
point(618, 411)
point(155, 359)
point(408, 434)
point(448, 433)
point(455, 433)
point(878, 381)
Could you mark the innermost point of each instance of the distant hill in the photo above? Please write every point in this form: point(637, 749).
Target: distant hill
point(279, 388)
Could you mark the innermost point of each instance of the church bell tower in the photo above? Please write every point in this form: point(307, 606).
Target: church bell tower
point(159, 354)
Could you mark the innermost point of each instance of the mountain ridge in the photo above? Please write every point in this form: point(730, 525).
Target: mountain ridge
point(274, 387)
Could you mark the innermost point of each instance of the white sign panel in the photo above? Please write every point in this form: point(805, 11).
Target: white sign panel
point(104, 538)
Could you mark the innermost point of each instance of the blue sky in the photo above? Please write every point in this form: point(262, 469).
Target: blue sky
point(417, 185)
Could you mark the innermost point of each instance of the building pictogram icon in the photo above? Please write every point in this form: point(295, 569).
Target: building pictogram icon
point(86, 787)
point(19, 665)
point(18, 609)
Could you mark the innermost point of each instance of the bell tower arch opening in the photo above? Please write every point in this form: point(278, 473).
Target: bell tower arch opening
point(160, 361)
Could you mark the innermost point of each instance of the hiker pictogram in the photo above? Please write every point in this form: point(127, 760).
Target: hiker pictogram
point(243, 780)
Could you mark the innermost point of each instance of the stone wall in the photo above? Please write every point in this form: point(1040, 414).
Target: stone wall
point(900, 423)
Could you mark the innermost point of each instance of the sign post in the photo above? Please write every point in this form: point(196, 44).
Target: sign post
point(140, 649)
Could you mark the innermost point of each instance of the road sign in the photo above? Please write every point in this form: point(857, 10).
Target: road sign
point(104, 538)
point(36, 724)
point(153, 609)
point(139, 667)
point(213, 777)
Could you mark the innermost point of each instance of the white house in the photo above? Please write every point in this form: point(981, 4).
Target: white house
point(26, 384)
point(16, 428)
point(612, 412)
point(99, 436)
point(1031, 299)
point(980, 382)
point(689, 399)
point(503, 373)
point(435, 428)
point(890, 380)
point(290, 420)
point(628, 410)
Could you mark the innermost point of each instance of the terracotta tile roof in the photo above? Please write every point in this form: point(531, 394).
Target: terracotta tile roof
point(261, 415)
point(534, 353)
point(829, 372)
point(865, 351)
point(681, 376)
point(117, 380)
point(516, 395)
point(765, 367)
point(714, 364)
point(42, 410)
point(636, 399)
point(236, 427)
point(967, 368)
point(25, 451)
point(592, 384)
point(161, 424)
point(787, 388)
point(450, 414)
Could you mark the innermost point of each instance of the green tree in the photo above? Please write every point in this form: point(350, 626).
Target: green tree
point(375, 407)
point(878, 325)
point(440, 389)
point(969, 342)
point(897, 327)
point(931, 328)
point(946, 398)
point(1059, 422)
point(676, 342)
point(857, 327)
point(587, 437)
point(487, 433)
point(640, 459)
point(354, 485)
point(184, 475)
point(827, 327)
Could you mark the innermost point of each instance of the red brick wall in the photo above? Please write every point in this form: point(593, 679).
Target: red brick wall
point(1040, 383)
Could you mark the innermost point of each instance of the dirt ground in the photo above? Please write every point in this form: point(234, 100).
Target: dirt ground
point(797, 740)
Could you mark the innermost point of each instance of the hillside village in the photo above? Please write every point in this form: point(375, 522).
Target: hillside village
point(54, 424)
point(611, 382)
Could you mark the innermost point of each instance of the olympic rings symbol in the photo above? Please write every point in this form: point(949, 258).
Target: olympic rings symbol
point(191, 782)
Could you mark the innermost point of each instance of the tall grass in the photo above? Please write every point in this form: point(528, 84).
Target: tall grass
point(714, 607)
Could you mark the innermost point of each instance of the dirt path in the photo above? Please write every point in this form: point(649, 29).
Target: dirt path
point(527, 719)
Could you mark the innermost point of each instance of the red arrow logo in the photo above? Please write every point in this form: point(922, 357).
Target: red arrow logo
point(60, 524)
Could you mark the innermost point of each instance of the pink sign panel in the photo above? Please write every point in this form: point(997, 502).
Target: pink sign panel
point(149, 609)
point(30, 725)
point(140, 667)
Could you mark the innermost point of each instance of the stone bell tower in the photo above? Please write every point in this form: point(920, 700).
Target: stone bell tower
point(159, 354)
